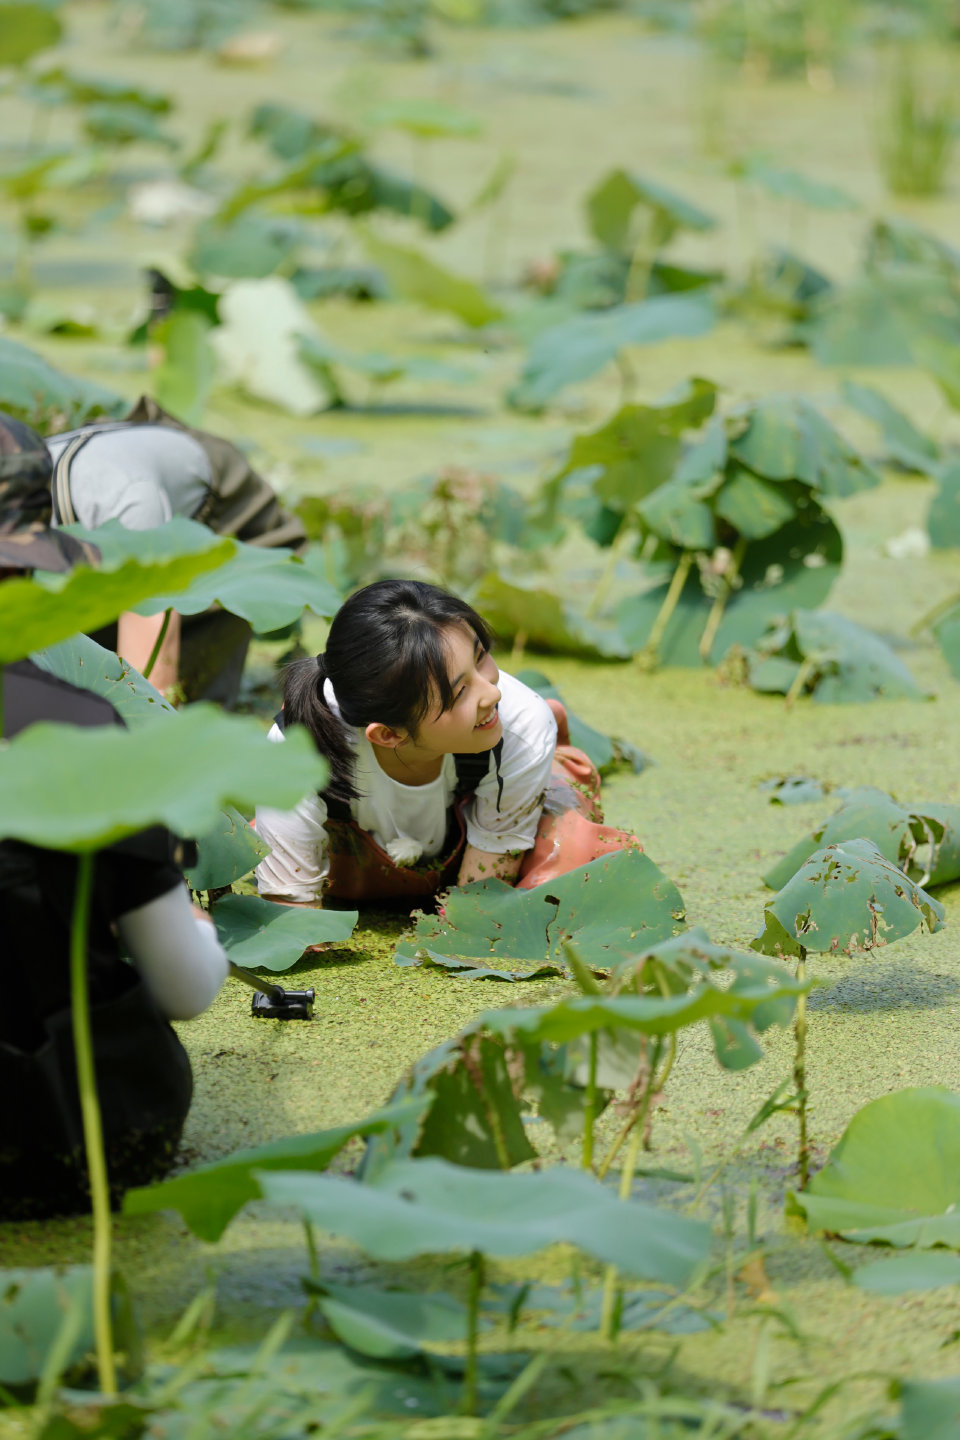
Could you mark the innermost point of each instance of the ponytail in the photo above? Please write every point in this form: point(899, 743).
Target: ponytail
point(304, 704)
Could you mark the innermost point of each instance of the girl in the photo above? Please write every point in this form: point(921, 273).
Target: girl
point(443, 769)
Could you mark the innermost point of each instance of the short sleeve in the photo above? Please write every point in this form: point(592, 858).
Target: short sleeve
point(529, 742)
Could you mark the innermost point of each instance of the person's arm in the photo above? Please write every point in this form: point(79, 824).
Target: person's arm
point(176, 952)
point(136, 637)
point(294, 871)
point(488, 865)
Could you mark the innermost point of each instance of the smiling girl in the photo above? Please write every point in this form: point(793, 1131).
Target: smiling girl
point(443, 769)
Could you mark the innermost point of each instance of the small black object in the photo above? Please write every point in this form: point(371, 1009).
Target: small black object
point(283, 1004)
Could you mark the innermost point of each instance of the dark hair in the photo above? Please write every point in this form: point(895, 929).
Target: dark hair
point(387, 662)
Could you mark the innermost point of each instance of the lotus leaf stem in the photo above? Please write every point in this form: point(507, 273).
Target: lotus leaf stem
point(158, 644)
point(609, 571)
point(720, 604)
point(590, 1104)
point(609, 1311)
point(943, 607)
point(799, 680)
point(477, 1276)
point(800, 1076)
point(92, 1126)
point(650, 654)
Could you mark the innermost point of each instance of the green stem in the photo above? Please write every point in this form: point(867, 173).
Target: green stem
point(799, 680)
point(720, 604)
point(590, 1105)
point(92, 1127)
point(469, 1400)
point(158, 644)
point(608, 574)
point(932, 616)
point(650, 654)
point(641, 264)
point(800, 1076)
point(626, 1184)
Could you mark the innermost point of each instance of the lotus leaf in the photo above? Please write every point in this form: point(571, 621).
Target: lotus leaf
point(34, 615)
point(546, 620)
point(863, 1196)
point(390, 1324)
point(209, 1197)
point(269, 587)
point(26, 29)
point(577, 348)
point(247, 247)
point(795, 186)
point(787, 438)
point(183, 379)
point(943, 520)
point(57, 85)
point(263, 936)
point(112, 783)
point(845, 899)
point(837, 660)
point(34, 1305)
point(415, 277)
point(897, 831)
point(638, 450)
point(33, 390)
point(289, 133)
point(796, 565)
point(231, 849)
point(879, 319)
point(929, 1409)
point(611, 206)
point(906, 445)
point(428, 1207)
point(605, 907)
point(922, 1270)
point(122, 124)
point(754, 507)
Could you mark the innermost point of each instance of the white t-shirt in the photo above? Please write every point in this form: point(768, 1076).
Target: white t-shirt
point(410, 821)
point(141, 475)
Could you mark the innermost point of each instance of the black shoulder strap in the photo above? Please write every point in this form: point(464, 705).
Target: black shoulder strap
point(471, 769)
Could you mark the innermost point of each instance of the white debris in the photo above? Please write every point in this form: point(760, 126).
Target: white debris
point(161, 202)
point(913, 544)
point(257, 344)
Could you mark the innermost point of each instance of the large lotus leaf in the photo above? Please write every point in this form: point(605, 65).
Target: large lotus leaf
point(894, 240)
point(209, 1197)
point(878, 320)
point(390, 1324)
point(675, 513)
point(545, 619)
point(852, 664)
point(606, 908)
point(894, 1176)
point(795, 566)
point(867, 814)
point(787, 438)
point(260, 935)
point(26, 29)
point(919, 1270)
point(943, 518)
point(231, 848)
point(270, 587)
point(845, 899)
point(639, 448)
point(929, 1409)
point(428, 1207)
point(577, 348)
point(248, 247)
point(754, 507)
point(109, 783)
point(36, 613)
point(182, 381)
point(906, 445)
point(33, 390)
point(938, 825)
point(611, 205)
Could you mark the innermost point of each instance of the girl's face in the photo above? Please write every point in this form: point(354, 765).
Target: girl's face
point(472, 724)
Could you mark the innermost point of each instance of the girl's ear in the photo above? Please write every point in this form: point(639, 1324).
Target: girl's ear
point(384, 735)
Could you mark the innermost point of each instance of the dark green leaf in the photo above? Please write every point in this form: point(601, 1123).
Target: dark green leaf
point(182, 381)
point(210, 1196)
point(475, 1118)
point(921, 1271)
point(260, 935)
point(606, 908)
point(35, 1305)
point(611, 206)
point(32, 390)
point(754, 507)
point(415, 277)
point(226, 853)
point(846, 664)
point(860, 1195)
point(547, 621)
point(865, 814)
point(929, 1409)
point(247, 247)
point(125, 124)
